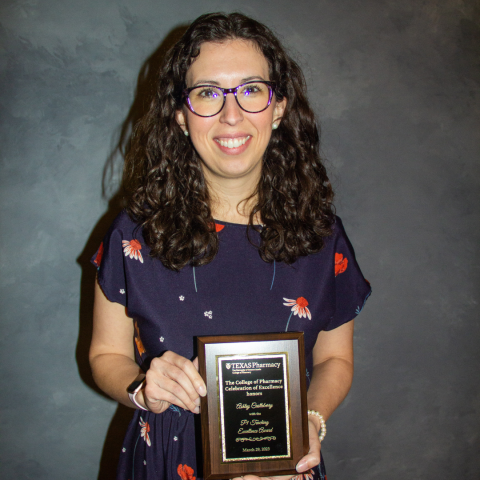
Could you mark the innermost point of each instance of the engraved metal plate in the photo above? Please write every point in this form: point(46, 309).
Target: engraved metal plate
point(254, 407)
point(254, 416)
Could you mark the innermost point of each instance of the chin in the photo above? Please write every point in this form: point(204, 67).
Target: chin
point(240, 172)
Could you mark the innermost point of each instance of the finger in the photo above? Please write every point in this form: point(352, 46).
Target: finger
point(162, 388)
point(154, 405)
point(312, 459)
point(158, 398)
point(169, 383)
point(179, 369)
point(198, 382)
point(190, 371)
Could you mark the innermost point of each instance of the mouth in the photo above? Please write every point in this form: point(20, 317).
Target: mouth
point(231, 143)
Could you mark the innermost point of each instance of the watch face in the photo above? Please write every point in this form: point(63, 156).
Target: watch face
point(136, 384)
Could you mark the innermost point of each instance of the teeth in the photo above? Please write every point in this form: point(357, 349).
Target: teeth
point(233, 142)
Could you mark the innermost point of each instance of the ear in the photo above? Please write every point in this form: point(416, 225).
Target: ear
point(180, 118)
point(279, 110)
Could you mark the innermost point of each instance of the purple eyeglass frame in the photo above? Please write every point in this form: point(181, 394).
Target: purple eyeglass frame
point(226, 91)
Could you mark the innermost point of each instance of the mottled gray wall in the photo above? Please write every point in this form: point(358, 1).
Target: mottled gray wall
point(396, 88)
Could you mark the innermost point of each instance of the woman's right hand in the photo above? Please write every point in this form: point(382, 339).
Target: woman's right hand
point(173, 379)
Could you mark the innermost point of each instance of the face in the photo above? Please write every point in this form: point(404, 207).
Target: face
point(228, 65)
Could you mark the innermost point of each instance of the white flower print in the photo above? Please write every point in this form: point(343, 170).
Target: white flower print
point(161, 339)
point(144, 431)
point(299, 307)
point(122, 291)
point(124, 449)
point(132, 249)
point(208, 314)
point(175, 439)
point(182, 298)
point(144, 462)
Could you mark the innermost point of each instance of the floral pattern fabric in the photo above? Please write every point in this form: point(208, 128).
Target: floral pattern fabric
point(299, 307)
point(145, 428)
point(132, 249)
point(185, 472)
point(98, 257)
point(237, 293)
point(138, 341)
point(341, 263)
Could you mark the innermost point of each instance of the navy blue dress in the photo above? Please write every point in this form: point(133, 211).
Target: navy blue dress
point(236, 293)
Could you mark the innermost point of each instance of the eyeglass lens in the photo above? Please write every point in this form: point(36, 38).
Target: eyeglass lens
point(208, 100)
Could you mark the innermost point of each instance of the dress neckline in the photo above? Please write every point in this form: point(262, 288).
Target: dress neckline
point(230, 224)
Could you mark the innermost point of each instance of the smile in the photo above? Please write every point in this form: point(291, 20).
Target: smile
point(233, 142)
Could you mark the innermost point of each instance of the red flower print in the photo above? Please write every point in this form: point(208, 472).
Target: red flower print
point(185, 472)
point(304, 476)
point(299, 307)
point(132, 249)
point(218, 227)
point(98, 258)
point(340, 263)
point(138, 341)
point(144, 431)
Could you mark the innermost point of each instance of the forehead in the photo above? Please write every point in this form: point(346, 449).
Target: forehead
point(228, 63)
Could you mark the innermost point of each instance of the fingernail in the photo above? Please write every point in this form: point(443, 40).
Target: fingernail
point(300, 466)
point(197, 401)
point(196, 410)
point(201, 391)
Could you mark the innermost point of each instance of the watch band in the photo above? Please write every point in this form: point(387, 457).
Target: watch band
point(134, 388)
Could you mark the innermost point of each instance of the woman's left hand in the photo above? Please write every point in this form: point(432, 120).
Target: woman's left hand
point(310, 460)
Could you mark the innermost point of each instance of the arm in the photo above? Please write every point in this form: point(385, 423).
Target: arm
point(332, 369)
point(170, 379)
point(331, 380)
point(112, 356)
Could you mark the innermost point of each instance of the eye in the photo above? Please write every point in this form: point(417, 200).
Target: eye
point(207, 93)
point(252, 89)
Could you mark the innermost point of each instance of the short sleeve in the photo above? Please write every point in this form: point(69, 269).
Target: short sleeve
point(110, 261)
point(351, 288)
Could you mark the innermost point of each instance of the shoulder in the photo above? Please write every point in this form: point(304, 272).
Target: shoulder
point(338, 232)
point(339, 247)
point(124, 234)
point(338, 228)
point(125, 228)
point(124, 223)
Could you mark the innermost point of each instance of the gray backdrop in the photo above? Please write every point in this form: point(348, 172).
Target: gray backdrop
point(396, 89)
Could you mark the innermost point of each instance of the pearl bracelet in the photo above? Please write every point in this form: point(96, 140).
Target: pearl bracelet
point(323, 428)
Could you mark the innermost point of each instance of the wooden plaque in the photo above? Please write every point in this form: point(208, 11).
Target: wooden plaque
point(254, 416)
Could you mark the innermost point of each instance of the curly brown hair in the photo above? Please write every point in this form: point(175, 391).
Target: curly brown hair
point(163, 178)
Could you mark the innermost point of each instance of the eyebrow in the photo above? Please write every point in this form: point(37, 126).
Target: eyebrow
point(214, 82)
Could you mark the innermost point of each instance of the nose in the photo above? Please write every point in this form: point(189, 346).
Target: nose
point(231, 113)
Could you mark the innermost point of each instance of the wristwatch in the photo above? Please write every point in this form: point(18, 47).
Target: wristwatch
point(134, 388)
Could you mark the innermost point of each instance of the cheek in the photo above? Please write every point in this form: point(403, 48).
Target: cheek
point(265, 129)
point(198, 129)
point(264, 123)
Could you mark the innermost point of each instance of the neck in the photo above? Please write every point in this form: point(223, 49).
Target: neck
point(229, 200)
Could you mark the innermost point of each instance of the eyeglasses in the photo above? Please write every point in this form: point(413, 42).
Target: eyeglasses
point(208, 100)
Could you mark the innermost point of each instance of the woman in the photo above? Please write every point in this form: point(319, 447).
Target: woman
point(229, 229)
